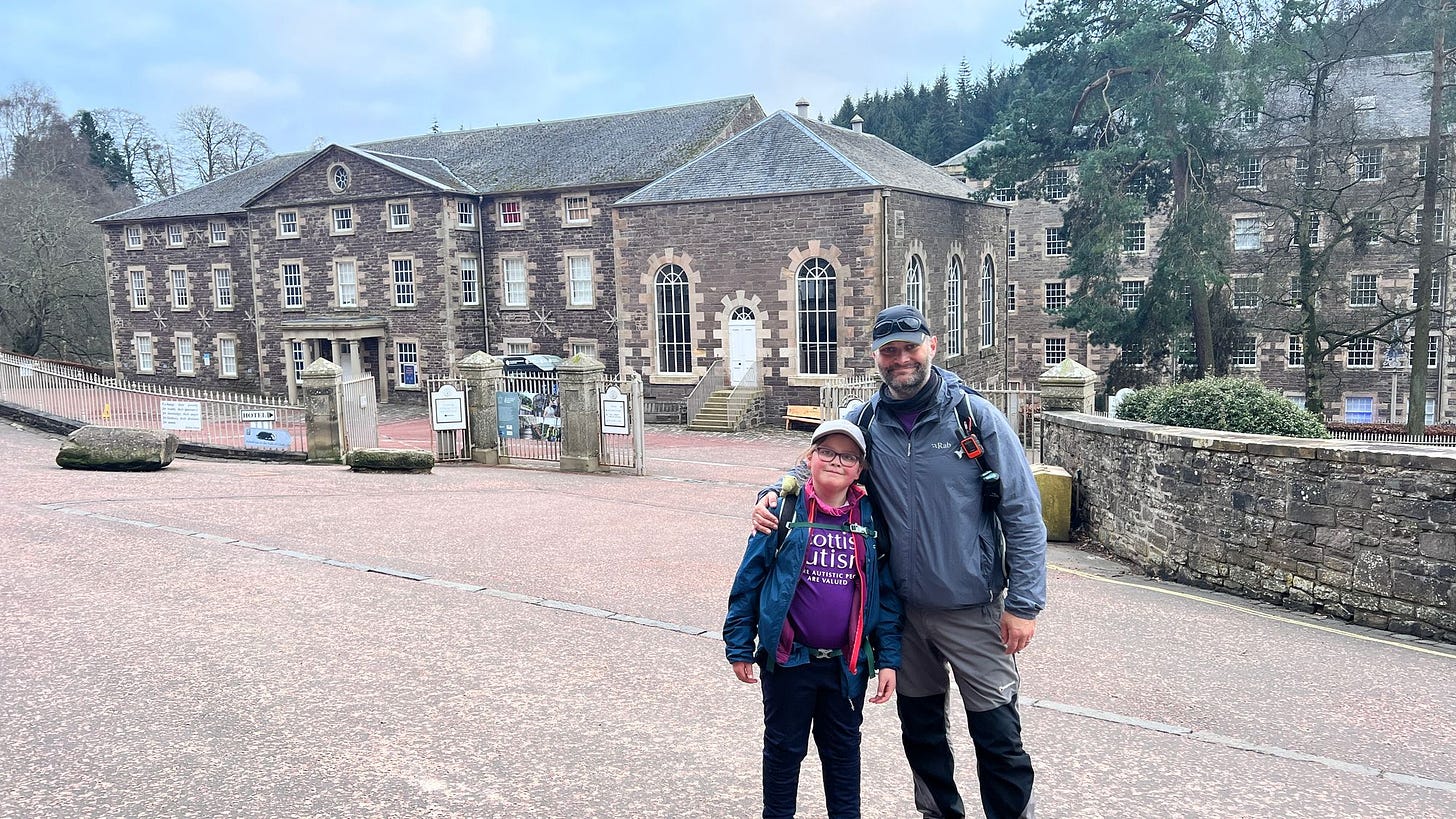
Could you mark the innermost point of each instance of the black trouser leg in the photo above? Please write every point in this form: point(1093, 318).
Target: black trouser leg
point(837, 722)
point(1001, 763)
point(788, 709)
point(927, 749)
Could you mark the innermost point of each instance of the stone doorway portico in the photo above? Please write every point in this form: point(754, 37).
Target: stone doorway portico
point(355, 344)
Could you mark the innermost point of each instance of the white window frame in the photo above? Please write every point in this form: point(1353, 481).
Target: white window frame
point(1056, 185)
point(1294, 352)
point(1250, 171)
point(179, 288)
point(464, 214)
point(217, 228)
point(517, 214)
point(954, 287)
point(1373, 223)
point(584, 210)
point(1433, 350)
point(470, 281)
point(515, 283)
point(517, 346)
point(1364, 290)
point(1132, 293)
point(403, 281)
point(1245, 293)
point(176, 236)
point(185, 343)
point(1252, 238)
point(582, 346)
point(345, 226)
point(1364, 404)
point(1245, 354)
point(227, 356)
point(816, 303)
point(146, 352)
point(223, 296)
point(988, 302)
point(1004, 193)
point(1369, 163)
point(298, 358)
point(1053, 345)
point(1011, 243)
point(285, 220)
point(1420, 214)
point(1011, 297)
point(1056, 242)
point(132, 237)
point(580, 292)
point(1365, 352)
point(399, 216)
point(915, 282)
point(406, 351)
point(292, 293)
point(1135, 237)
point(346, 284)
point(1054, 296)
point(138, 288)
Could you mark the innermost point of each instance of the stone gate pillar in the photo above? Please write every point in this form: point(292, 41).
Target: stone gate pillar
point(483, 376)
point(580, 378)
point(1068, 387)
point(323, 401)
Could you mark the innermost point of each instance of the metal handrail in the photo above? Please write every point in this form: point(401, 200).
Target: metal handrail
point(706, 386)
point(749, 381)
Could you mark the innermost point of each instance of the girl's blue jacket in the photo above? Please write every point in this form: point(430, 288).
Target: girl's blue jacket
point(758, 606)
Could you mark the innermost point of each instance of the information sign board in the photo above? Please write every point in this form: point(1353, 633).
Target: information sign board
point(181, 415)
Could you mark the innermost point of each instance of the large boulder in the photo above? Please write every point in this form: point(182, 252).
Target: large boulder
point(117, 449)
point(391, 460)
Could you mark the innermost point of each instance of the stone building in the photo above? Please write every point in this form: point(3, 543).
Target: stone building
point(774, 251)
point(1375, 180)
point(394, 258)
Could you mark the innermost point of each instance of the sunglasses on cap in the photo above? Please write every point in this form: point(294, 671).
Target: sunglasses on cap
point(908, 324)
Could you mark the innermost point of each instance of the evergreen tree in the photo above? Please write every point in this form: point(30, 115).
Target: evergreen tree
point(103, 154)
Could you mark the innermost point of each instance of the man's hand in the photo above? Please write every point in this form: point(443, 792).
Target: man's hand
point(1016, 632)
point(885, 685)
point(765, 520)
point(744, 672)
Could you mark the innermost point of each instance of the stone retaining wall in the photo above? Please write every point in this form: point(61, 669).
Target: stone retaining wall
point(1360, 531)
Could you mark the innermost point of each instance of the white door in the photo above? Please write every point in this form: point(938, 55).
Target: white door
point(742, 347)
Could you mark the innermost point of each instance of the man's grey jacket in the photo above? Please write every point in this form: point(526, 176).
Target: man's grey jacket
point(944, 549)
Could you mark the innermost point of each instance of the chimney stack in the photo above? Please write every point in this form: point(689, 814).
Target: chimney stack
point(857, 124)
point(803, 106)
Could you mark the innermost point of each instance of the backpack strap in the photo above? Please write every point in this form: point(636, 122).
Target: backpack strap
point(788, 510)
point(852, 528)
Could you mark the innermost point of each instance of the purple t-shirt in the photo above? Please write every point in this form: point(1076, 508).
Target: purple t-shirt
point(822, 613)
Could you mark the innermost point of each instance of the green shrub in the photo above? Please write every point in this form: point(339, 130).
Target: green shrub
point(1229, 404)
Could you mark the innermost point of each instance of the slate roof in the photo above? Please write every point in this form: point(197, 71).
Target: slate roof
point(785, 154)
point(1387, 96)
point(574, 153)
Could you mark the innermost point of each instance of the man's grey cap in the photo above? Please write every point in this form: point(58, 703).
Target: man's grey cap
point(898, 313)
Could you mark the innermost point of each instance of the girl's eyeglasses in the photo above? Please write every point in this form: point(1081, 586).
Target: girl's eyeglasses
point(830, 456)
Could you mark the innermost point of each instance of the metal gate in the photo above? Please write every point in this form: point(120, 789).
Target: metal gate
point(449, 418)
point(529, 412)
point(360, 413)
point(622, 408)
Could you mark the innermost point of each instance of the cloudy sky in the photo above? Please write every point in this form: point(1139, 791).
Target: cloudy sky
point(353, 70)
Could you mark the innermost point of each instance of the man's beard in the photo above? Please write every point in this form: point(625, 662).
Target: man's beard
point(907, 380)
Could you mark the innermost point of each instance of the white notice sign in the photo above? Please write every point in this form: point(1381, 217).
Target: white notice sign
point(447, 408)
point(181, 415)
point(614, 413)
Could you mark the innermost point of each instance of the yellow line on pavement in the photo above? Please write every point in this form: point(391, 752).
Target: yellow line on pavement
point(1246, 610)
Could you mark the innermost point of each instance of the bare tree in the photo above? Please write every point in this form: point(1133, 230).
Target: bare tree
point(27, 111)
point(211, 145)
point(147, 156)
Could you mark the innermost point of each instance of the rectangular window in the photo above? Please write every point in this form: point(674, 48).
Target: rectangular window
point(1054, 351)
point(138, 289)
point(1362, 290)
point(581, 293)
point(1440, 162)
point(1360, 355)
point(343, 217)
point(1135, 237)
point(1246, 292)
point(509, 214)
point(399, 215)
point(227, 357)
point(299, 357)
point(1247, 233)
point(1054, 187)
point(1056, 241)
point(518, 346)
point(1370, 224)
point(217, 231)
point(469, 280)
point(1011, 243)
point(1011, 297)
point(1311, 228)
point(464, 213)
point(292, 275)
point(133, 237)
point(1056, 296)
point(578, 210)
point(145, 361)
point(1132, 293)
point(1294, 354)
point(288, 224)
point(181, 295)
point(407, 356)
point(1367, 162)
point(346, 283)
point(1301, 170)
point(1433, 351)
point(1248, 118)
point(175, 237)
point(404, 283)
point(1440, 223)
point(185, 364)
point(1251, 172)
point(578, 347)
point(222, 287)
point(1359, 409)
point(513, 279)
point(1430, 411)
point(1245, 353)
point(1004, 193)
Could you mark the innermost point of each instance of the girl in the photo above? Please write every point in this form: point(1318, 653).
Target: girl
point(821, 605)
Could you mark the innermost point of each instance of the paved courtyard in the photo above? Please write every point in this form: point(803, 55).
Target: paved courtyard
point(229, 639)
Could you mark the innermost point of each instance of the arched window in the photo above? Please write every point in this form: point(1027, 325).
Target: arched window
point(953, 307)
point(674, 320)
point(988, 302)
point(915, 284)
point(818, 318)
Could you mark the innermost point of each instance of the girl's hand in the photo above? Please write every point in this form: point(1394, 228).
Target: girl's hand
point(744, 673)
point(885, 686)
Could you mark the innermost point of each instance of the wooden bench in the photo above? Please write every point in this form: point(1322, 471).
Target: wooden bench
point(803, 414)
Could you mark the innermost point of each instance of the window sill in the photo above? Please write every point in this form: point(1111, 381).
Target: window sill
point(141, 309)
point(515, 308)
point(341, 233)
point(576, 224)
point(581, 307)
point(673, 378)
point(399, 230)
point(510, 227)
point(218, 244)
point(813, 380)
point(465, 227)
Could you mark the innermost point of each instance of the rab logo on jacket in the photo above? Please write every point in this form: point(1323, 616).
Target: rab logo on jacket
point(941, 445)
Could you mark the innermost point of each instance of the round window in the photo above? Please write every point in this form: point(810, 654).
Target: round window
point(339, 176)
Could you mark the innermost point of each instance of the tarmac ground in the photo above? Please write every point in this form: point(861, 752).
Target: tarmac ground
point(229, 639)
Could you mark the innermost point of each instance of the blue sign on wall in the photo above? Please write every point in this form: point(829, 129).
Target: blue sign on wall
point(267, 438)
point(508, 414)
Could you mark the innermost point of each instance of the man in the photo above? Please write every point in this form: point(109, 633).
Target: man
point(952, 556)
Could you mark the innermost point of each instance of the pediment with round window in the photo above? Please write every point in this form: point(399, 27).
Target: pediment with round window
point(339, 178)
